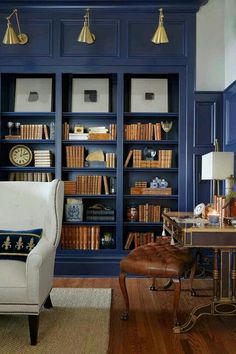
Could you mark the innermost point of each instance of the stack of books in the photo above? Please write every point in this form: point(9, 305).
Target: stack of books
point(105, 214)
point(98, 133)
point(78, 136)
point(42, 158)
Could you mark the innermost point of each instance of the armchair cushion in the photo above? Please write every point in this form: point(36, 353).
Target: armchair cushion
point(18, 244)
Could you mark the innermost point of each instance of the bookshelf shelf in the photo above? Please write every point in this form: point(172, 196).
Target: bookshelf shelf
point(89, 142)
point(151, 142)
point(151, 115)
point(89, 169)
point(136, 169)
point(91, 196)
point(92, 223)
point(139, 223)
point(92, 115)
point(156, 196)
point(27, 168)
point(29, 115)
point(27, 141)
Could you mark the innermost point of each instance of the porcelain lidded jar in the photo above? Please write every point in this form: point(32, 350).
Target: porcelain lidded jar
point(74, 209)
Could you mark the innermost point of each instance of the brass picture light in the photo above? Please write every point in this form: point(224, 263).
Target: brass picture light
point(86, 36)
point(160, 35)
point(10, 36)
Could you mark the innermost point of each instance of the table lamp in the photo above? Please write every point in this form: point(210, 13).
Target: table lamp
point(217, 166)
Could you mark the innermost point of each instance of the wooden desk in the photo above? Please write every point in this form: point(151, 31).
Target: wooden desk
point(223, 240)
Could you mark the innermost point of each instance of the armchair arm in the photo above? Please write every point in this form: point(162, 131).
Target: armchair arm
point(39, 270)
point(39, 253)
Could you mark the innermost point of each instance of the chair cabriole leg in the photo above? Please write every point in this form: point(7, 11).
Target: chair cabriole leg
point(177, 289)
point(122, 281)
point(193, 270)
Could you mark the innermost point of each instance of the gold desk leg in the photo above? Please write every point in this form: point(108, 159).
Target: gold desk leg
point(218, 308)
point(194, 315)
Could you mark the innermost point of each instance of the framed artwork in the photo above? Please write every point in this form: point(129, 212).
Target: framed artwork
point(149, 95)
point(33, 95)
point(90, 95)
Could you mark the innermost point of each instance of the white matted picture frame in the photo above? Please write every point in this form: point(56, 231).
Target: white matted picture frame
point(90, 95)
point(149, 95)
point(33, 95)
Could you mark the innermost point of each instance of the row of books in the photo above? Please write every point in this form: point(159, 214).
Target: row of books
point(31, 132)
point(87, 185)
point(138, 239)
point(149, 213)
point(219, 203)
point(164, 159)
point(142, 131)
point(80, 237)
point(75, 156)
point(42, 158)
point(31, 176)
point(92, 133)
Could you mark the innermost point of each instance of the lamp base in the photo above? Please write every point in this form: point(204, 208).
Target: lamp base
point(23, 38)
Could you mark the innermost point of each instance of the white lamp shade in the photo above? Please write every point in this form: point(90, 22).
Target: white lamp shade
point(217, 165)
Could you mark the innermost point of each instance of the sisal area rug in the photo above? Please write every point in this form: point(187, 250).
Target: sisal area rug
point(78, 323)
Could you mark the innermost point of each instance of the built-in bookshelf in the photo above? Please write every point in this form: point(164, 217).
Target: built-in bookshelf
point(151, 143)
point(120, 168)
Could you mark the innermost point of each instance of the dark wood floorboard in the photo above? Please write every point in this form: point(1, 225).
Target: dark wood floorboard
point(149, 328)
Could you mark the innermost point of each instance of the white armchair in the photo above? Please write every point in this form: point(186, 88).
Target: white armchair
point(25, 286)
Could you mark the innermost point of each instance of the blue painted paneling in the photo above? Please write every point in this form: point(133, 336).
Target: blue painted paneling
point(140, 45)
point(208, 125)
point(39, 32)
point(122, 48)
point(204, 124)
point(107, 39)
point(229, 118)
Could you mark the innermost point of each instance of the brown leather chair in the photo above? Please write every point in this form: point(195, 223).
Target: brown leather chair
point(158, 260)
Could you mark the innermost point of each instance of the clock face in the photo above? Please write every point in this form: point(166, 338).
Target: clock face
point(20, 155)
point(199, 209)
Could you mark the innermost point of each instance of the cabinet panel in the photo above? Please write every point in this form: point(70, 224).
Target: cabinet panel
point(140, 45)
point(40, 40)
point(105, 45)
point(204, 124)
point(229, 122)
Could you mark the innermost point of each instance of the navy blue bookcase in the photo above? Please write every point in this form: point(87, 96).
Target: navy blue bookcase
point(122, 50)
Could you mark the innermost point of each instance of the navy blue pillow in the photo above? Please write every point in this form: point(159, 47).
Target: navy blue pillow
point(18, 244)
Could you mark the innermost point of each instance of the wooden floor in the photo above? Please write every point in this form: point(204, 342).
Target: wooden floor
point(149, 328)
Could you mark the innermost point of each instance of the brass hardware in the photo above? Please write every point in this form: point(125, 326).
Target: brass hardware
point(10, 36)
point(86, 36)
point(160, 35)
